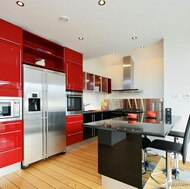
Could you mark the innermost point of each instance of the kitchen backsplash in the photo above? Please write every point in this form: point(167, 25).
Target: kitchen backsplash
point(154, 104)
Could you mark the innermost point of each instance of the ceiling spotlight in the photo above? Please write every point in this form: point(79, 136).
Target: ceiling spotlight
point(64, 18)
point(142, 47)
point(134, 37)
point(20, 3)
point(101, 2)
point(113, 53)
point(81, 38)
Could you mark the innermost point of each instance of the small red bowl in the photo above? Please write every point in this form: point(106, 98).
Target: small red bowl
point(151, 114)
point(132, 121)
point(151, 120)
point(132, 116)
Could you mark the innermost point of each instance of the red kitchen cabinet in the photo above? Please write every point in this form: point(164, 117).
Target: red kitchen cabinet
point(10, 72)
point(74, 129)
point(11, 143)
point(90, 82)
point(73, 69)
point(10, 59)
point(10, 32)
point(104, 84)
point(98, 80)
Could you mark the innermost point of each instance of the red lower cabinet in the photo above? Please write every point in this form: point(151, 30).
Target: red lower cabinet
point(11, 143)
point(74, 129)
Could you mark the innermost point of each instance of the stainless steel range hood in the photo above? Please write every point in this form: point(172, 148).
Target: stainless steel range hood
point(128, 77)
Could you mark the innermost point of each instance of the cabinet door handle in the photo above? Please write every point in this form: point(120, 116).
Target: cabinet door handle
point(75, 133)
point(10, 150)
point(75, 122)
point(7, 124)
point(67, 74)
point(11, 132)
point(74, 62)
point(20, 71)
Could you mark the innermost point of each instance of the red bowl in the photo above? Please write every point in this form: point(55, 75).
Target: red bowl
point(132, 116)
point(132, 121)
point(151, 120)
point(151, 113)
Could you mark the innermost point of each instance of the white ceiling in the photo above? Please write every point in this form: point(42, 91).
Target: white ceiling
point(105, 29)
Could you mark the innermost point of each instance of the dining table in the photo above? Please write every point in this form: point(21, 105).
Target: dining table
point(120, 144)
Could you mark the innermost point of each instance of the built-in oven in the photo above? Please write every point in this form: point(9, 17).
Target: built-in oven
point(74, 102)
point(10, 108)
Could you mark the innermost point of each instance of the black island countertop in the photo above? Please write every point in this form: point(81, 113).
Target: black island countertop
point(142, 125)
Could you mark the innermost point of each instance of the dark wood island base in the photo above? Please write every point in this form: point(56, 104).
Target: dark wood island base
point(120, 156)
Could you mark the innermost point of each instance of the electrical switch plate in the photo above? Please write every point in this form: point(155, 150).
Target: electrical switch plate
point(186, 96)
point(176, 96)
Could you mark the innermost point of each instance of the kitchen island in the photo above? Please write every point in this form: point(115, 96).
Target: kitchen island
point(120, 145)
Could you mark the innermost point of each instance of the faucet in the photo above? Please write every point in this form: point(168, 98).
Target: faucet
point(84, 106)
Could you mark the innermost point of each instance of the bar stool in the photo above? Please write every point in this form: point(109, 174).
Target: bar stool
point(171, 147)
point(146, 165)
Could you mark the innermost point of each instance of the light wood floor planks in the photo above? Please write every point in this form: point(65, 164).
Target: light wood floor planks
point(77, 169)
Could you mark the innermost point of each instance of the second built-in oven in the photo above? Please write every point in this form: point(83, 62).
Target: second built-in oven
point(74, 102)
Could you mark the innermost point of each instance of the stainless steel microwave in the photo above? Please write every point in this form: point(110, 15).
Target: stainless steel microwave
point(10, 108)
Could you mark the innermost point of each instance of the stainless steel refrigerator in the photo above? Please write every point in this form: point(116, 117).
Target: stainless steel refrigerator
point(44, 111)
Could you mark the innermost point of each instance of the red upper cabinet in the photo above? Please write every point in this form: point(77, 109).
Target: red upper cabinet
point(73, 69)
point(10, 59)
point(10, 32)
point(104, 84)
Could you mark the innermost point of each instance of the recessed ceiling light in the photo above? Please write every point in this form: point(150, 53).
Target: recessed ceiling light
point(142, 47)
point(64, 18)
point(101, 2)
point(114, 53)
point(134, 37)
point(80, 38)
point(20, 3)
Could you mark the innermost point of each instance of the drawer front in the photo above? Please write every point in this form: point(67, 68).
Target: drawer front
point(77, 137)
point(10, 140)
point(10, 157)
point(10, 126)
point(73, 118)
point(74, 127)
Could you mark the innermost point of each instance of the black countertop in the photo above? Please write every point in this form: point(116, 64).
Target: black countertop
point(142, 125)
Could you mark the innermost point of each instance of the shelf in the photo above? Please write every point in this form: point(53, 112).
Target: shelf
point(36, 48)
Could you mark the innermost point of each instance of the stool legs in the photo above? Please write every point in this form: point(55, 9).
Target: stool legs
point(168, 182)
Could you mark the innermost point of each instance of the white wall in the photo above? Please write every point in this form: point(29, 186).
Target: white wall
point(177, 76)
point(148, 73)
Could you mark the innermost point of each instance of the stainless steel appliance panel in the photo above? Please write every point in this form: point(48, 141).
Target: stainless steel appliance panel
point(44, 121)
point(33, 130)
point(56, 100)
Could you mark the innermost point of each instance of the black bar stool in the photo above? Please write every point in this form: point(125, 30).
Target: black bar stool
point(171, 147)
point(146, 165)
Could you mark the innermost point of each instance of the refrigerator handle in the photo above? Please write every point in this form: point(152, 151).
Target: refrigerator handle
point(47, 135)
point(43, 139)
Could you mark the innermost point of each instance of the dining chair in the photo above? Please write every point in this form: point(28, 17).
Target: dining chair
point(171, 147)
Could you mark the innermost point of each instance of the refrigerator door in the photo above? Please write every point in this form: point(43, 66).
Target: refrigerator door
point(33, 137)
point(56, 112)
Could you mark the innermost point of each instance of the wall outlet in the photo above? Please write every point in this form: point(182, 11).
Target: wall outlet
point(176, 96)
point(186, 96)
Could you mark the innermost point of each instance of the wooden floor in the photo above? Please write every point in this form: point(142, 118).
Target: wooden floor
point(76, 169)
